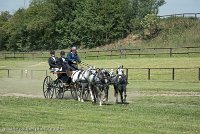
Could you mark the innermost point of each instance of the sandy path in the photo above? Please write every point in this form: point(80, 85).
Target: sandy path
point(111, 97)
point(22, 95)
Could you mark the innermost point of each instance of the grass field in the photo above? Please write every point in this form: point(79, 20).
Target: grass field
point(145, 115)
point(157, 106)
point(134, 74)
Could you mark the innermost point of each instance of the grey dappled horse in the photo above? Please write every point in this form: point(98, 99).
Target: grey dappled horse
point(119, 82)
point(81, 78)
point(99, 84)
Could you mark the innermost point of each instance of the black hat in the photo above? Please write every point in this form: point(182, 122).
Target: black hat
point(62, 53)
point(52, 52)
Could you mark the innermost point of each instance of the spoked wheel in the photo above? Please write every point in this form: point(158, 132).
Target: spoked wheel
point(59, 89)
point(48, 87)
point(74, 92)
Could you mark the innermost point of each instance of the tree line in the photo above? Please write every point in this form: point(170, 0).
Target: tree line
point(59, 24)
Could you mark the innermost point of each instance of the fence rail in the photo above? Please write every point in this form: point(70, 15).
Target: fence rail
point(120, 53)
point(148, 73)
point(195, 15)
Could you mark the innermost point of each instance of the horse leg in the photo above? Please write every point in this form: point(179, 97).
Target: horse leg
point(116, 93)
point(125, 95)
point(82, 93)
point(91, 92)
point(120, 89)
point(106, 93)
point(121, 95)
point(100, 100)
point(79, 92)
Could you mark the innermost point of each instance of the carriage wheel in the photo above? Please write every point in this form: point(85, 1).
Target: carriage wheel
point(48, 87)
point(59, 89)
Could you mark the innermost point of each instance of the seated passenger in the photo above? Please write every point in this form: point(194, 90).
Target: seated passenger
point(73, 59)
point(64, 68)
point(63, 62)
point(53, 62)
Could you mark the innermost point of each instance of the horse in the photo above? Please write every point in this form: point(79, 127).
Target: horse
point(120, 86)
point(99, 83)
point(120, 82)
point(81, 79)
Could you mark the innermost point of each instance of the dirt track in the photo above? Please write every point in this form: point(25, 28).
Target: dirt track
point(111, 98)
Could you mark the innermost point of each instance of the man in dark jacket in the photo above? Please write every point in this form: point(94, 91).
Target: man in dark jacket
point(63, 63)
point(73, 59)
point(53, 62)
point(64, 67)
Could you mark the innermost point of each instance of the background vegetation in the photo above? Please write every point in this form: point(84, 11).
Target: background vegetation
point(58, 24)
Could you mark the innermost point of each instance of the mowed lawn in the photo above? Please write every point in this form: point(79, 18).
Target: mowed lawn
point(146, 115)
point(157, 106)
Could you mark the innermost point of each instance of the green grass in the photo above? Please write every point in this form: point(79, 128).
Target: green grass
point(145, 115)
point(157, 106)
point(134, 74)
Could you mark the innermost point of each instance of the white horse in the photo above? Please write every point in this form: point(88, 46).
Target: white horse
point(81, 79)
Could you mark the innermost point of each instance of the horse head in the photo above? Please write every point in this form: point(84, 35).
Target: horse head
point(104, 76)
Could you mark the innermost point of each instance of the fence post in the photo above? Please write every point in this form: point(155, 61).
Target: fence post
point(127, 74)
point(8, 73)
point(173, 74)
point(23, 56)
point(199, 73)
point(110, 54)
point(31, 74)
point(170, 52)
point(22, 73)
point(139, 52)
point(149, 74)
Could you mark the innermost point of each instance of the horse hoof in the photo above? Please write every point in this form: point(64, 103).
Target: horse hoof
point(105, 100)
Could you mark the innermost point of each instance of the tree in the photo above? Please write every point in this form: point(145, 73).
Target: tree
point(4, 18)
point(150, 25)
point(58, 24)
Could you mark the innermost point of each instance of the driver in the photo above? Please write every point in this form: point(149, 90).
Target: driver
point(73, 59)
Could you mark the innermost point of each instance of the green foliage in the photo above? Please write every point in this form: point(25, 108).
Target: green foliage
point(58, 24)
point(179, 31)
point(150, 24)
point(4, 20)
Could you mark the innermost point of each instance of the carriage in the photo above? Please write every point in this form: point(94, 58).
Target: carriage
point(92, 85)
point(57, 87)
